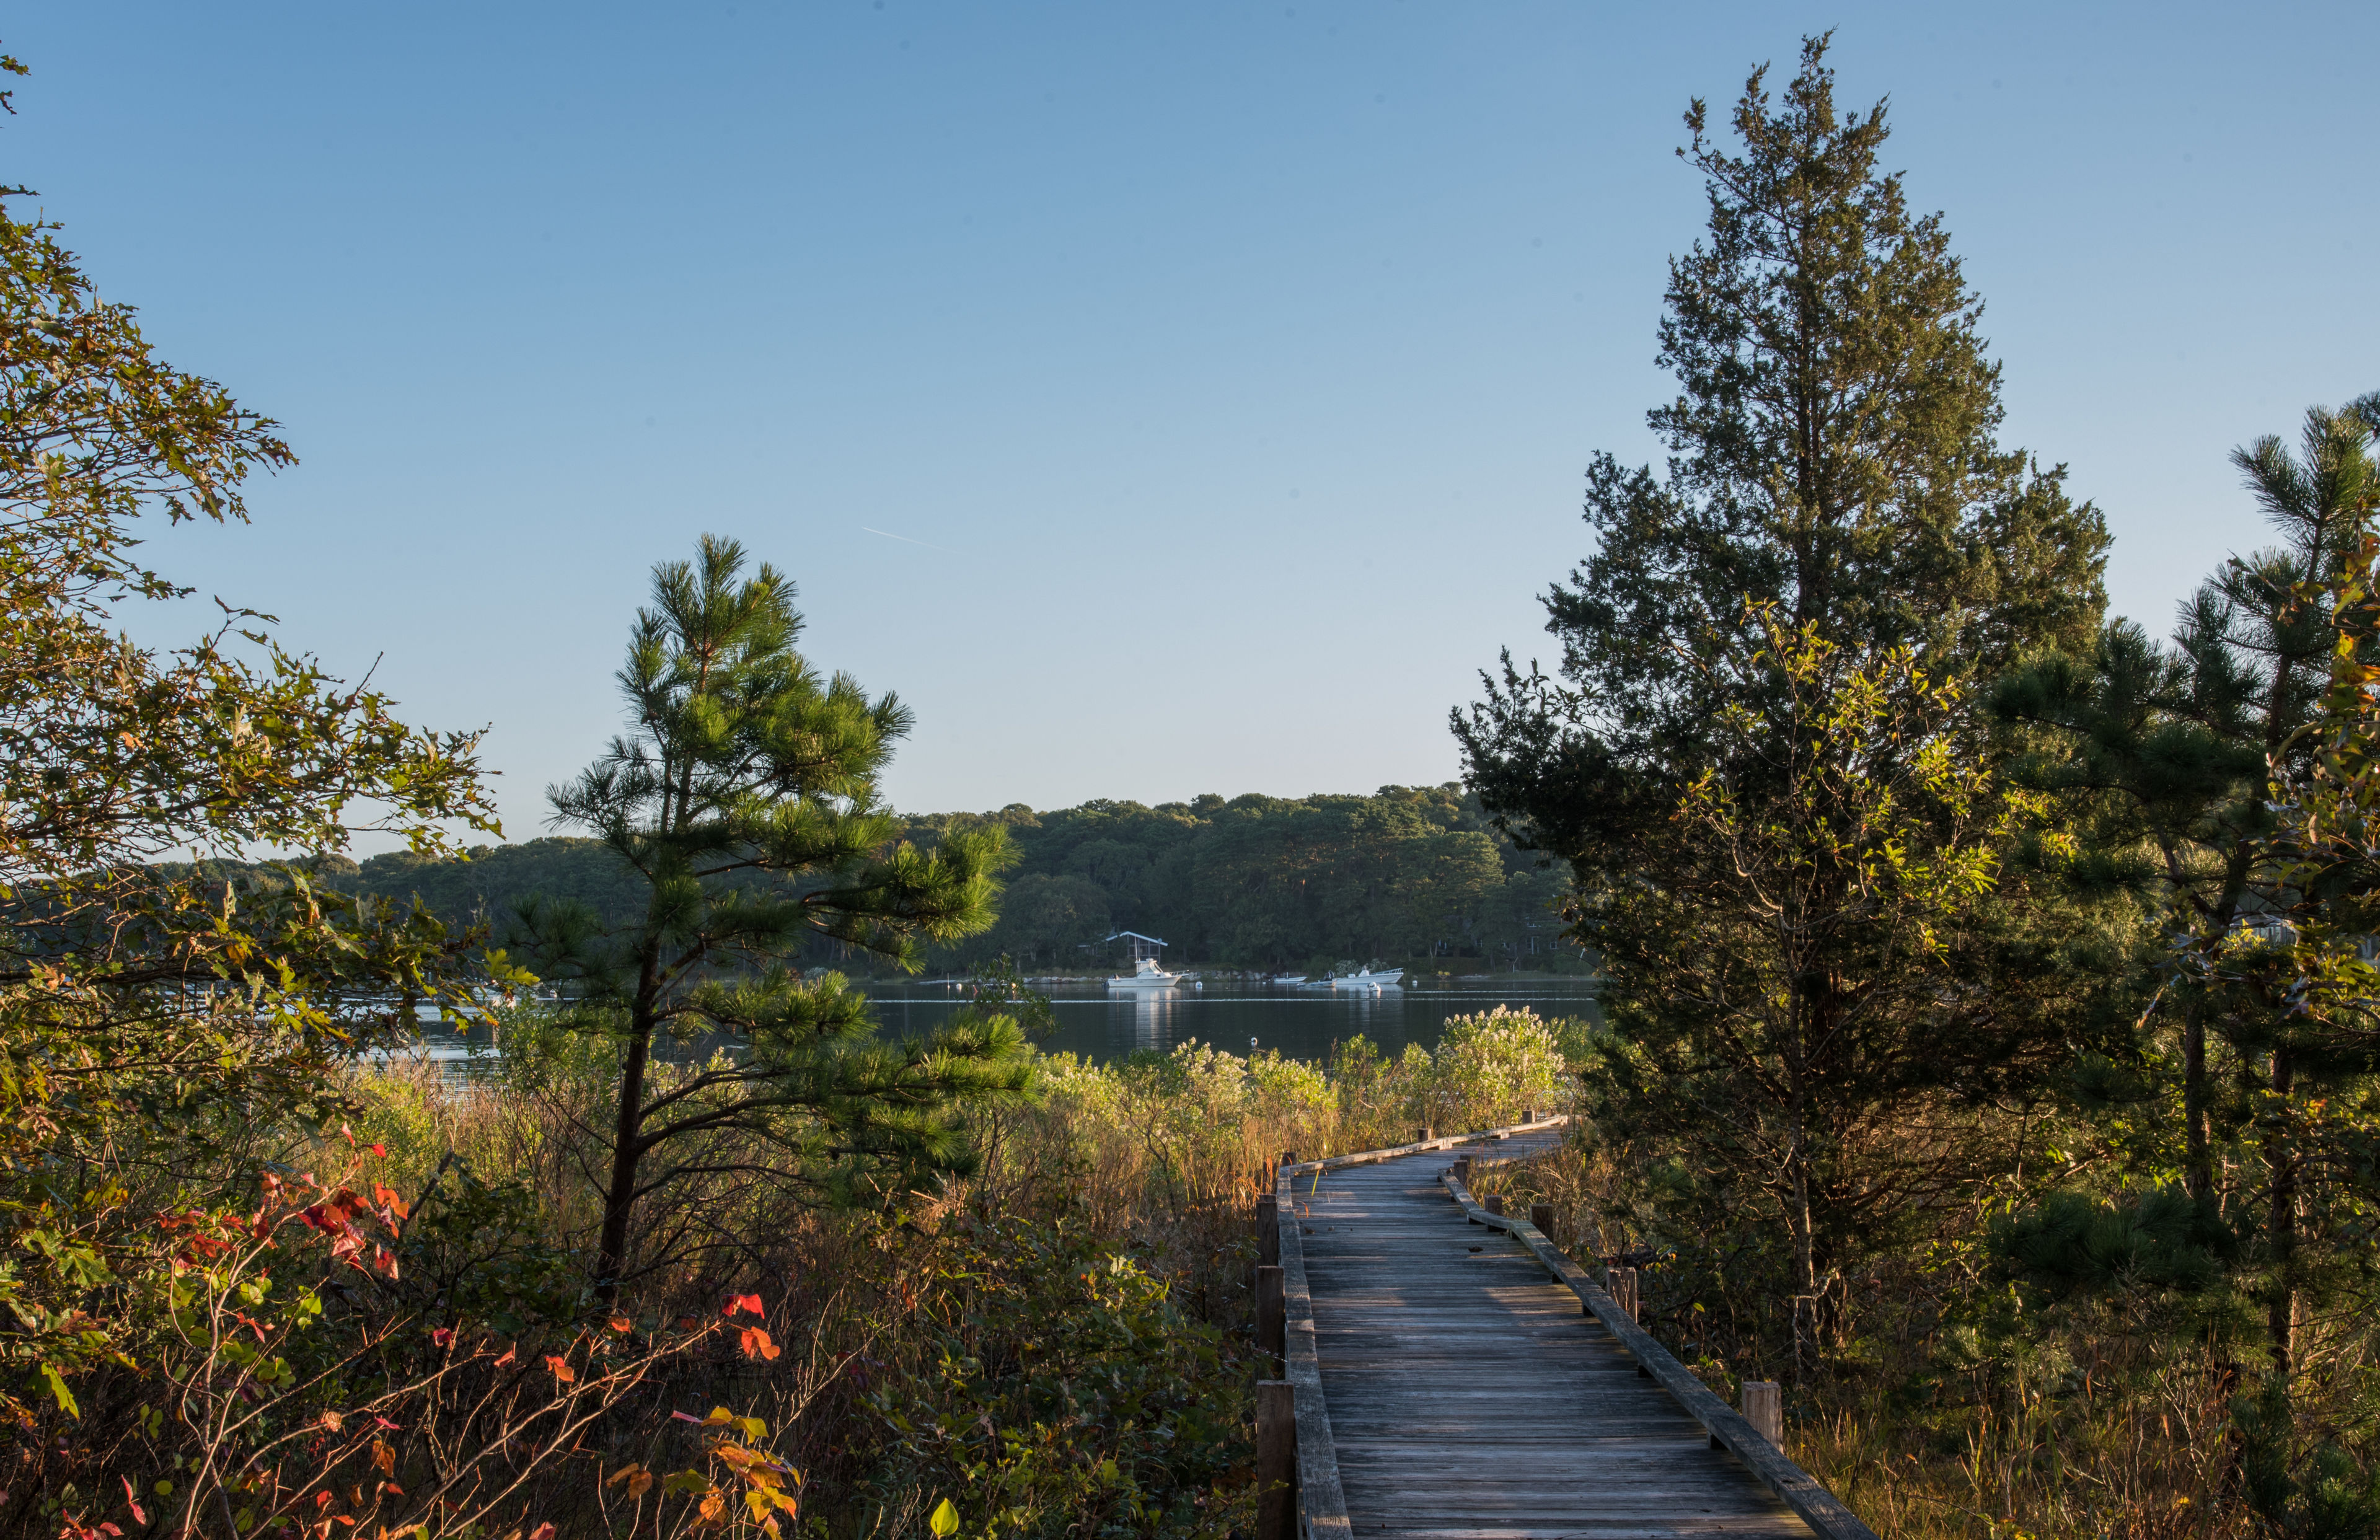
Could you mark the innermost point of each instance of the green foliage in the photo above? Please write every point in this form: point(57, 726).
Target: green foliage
point(1828, 947)
point(743, 796)
point(2306, 1490)
point(1833, 460)
point(1406, 874)
point(156, 1023)
point(2161, 1239)
point(1068, 1396)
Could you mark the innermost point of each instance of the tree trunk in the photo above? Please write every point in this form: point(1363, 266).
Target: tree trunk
point(612, 1250)
point(2197, 1170)
point(2280, 1322)
point(1797, 1176)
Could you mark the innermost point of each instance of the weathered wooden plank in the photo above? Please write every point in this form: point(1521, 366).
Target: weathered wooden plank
point(1321, 1502)
point(1820, 1508)
point(1468, 1395)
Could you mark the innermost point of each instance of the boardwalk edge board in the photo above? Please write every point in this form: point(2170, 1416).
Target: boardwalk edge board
point(1801, 1491)
point(1321, 1503)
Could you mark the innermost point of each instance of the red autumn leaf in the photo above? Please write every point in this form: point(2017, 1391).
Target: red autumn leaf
point(505, 1359)
point(743, 1301)
point(380, 1150)
point(755, 1344)
point(563, 1372)
point(542, 1532)
point(443, 1335)
point(133, 1502)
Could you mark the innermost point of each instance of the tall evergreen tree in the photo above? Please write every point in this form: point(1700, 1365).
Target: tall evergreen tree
point(1759, 757)
point(2171, 749)
point(745, 797)
point(2211, 771)
point(1833, 453)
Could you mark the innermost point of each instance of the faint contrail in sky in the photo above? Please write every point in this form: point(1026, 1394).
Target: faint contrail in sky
point(907, 540)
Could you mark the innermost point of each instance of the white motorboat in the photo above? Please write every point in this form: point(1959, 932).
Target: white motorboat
point(1145, 975)
point(1365, 978)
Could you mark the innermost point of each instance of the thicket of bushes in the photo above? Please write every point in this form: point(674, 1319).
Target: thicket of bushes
point(394, 1324)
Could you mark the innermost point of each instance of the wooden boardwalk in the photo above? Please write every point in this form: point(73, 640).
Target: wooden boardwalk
point(1468, 1395)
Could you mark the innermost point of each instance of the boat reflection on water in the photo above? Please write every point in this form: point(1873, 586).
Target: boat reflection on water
point(1142, 1019)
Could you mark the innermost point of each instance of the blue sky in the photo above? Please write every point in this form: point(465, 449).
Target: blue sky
point(1164, 399)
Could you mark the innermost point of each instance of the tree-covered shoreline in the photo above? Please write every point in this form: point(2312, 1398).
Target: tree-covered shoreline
point(1414, 876)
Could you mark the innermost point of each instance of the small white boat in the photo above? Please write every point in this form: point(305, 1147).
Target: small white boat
point(1288, 980)
point(1145, 975)
point(1365, 978)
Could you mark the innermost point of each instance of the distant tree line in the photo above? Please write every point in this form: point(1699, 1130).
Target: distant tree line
point(1414, 876)
point(1409, 873)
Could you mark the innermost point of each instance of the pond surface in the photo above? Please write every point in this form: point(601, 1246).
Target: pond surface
point(1104, 1026)
point(1299, 1023)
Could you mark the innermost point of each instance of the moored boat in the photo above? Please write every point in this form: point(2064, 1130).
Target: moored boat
point(1146, 973)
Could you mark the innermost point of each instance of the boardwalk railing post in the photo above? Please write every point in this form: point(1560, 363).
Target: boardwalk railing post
point(1463, 1170)
point(1273, 1319)
point(1276, 1459)
point(1763, 1408)
point(1541, 1214)
point(1623, 1291)
point(1269, 1231)
point(1495, 1203)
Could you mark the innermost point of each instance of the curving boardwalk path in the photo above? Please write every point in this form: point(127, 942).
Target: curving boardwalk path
point(1470, 1397)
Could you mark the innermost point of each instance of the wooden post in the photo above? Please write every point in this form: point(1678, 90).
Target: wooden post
point(1276, 1460)
point(1495, 1204)
point(1289, 1157)
point(1541, 1214)
point(1528, 1114)
point(1623, 1291)
point(1463, 1170)
point(1763, 1408)
point(1421, 1135)
point(1269, 1231)
point(1272, 1317)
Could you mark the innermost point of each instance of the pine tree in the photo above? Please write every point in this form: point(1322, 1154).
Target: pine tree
point(745, 797)
point(1832, 452)
point(2173, 747)
point(2196, 763)
point(1760, 757)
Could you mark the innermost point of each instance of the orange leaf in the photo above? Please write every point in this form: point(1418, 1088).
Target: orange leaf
point(621, 1324)
point(562, 1371)
point(743, 1301)
point(756, 1344)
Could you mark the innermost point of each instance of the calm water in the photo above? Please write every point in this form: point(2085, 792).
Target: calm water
point(1300, 1023)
